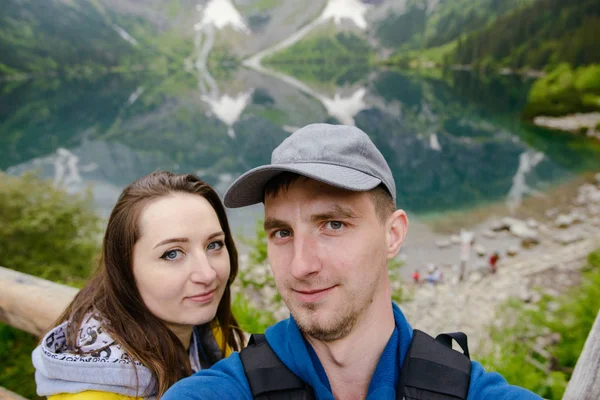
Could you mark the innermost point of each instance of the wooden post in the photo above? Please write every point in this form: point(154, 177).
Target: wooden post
point(585, 382)
point(29, 303)
point(6, 394)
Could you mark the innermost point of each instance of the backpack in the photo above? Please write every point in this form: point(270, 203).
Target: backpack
point(431, 370)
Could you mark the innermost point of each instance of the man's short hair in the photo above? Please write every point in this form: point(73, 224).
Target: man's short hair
point(382, 200)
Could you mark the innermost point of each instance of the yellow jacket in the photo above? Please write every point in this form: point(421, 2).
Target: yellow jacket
point(95, 395)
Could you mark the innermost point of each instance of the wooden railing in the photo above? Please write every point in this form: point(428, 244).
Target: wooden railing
point(33, 304)
point(8, 395)
point(29, 303)
point(585, 382)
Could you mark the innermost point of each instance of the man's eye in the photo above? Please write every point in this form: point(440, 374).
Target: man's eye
point(282, 233)
point(171, 255)
point(335, 225)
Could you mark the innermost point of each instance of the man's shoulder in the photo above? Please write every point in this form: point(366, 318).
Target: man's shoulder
point(491, 385)
point(224, 380)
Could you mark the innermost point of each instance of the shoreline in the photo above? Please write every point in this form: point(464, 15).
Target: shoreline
point(584, 123)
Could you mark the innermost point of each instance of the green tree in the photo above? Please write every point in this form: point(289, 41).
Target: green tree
point(46, 232)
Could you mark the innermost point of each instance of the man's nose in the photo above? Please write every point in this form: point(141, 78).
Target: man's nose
point(305, 261)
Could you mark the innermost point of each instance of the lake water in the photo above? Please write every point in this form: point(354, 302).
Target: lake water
point(453, 144)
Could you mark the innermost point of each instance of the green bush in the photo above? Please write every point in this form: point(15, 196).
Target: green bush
point(568, 318)
point(588, 78)
point(251, 319)
point(45, 232)
point(564, 91)
point(16, 370)
point(258, 245)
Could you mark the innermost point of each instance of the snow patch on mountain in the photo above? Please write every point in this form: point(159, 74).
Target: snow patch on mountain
point(344, 108)
point(338, 10)
point(221, 14)
point(228, 108)
point(126, 36)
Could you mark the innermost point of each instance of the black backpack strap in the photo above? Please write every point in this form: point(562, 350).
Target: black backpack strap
point(432, 370)
point(459, 337)
point(268, 377)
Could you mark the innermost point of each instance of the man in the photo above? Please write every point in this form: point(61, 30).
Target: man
point(332, 225)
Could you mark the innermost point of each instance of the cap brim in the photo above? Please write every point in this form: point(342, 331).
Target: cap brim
point(248, 189)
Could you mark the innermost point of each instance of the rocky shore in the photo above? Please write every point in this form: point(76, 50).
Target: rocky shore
point(587, 123)
point(548, 259)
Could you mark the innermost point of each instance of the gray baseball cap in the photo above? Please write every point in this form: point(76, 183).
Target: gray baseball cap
point(339, 155)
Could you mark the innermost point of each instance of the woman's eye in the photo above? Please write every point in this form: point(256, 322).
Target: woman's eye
point(335, 225)
point(171, 255)
point(282, 233)
point(216, 245)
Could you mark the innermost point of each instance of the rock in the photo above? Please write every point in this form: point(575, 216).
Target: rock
point(551, 213)
point(544, 229)
point(594, 197)
point(455, 239)
point(475, 277)
point(479, 250)
point(489, 234)
point(527, 235)
point(443, 243)
point(564, 221)
point(526, 296)
point(586, 189)
point(580, 200)
point(578, 216)
point(565, 238)
point(505, 224)
point(588, 194)
point(597, 178)
point(501, 297)
point(593, 209)
point(529, 243)
point(509, 221)
point(498, 226)
point(512, 251)
point(532, 223)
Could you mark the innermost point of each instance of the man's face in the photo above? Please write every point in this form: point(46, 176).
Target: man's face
point(328, 251)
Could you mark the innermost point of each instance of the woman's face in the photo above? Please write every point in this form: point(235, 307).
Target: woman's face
point(180, 262)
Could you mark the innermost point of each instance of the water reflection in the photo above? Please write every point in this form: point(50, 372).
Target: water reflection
point(448, 143)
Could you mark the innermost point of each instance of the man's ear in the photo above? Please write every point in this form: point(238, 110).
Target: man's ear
point(396, 229)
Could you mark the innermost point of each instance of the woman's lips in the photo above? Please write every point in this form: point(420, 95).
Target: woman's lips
point(203, 297)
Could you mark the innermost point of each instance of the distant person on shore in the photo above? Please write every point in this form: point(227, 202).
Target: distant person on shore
point(416, 276)
point(332, 226)
point(466, 241)
point(158, 308)
point(435, 274)
point(493, 260)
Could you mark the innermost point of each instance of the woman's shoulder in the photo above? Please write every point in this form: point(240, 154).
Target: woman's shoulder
point(91, 395)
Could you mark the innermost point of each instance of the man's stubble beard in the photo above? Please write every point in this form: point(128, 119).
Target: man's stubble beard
point(340, 325)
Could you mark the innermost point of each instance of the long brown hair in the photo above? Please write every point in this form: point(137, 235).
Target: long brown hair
point(113, 295)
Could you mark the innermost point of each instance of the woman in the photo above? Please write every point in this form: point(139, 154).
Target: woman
point(159, 307)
